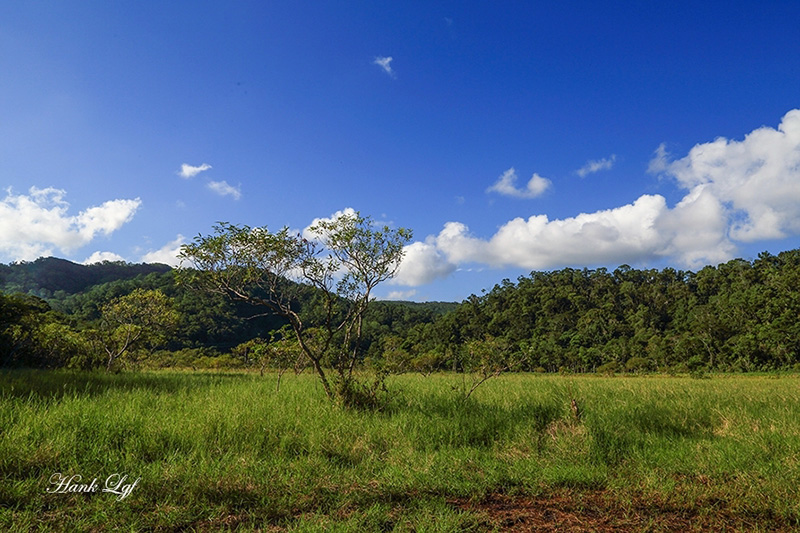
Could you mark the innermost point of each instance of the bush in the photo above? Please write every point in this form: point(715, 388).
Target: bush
point(193, 358)
point(609, 368)
point(86, 360)
point(637, 365)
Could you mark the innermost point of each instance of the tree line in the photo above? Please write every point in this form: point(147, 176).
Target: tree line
point(738, 316)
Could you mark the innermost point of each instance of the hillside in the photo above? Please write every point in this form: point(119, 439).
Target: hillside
point(737, 316)
point(49, 275)
point(210, 322)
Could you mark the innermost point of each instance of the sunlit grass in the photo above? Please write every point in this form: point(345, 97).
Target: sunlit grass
point(216, 451)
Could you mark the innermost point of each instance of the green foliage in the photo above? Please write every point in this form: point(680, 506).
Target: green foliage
point(191, 358)
point(638, 364)
point(141, 318)
point(740, 316)
point(608, 368)
point(347, 259)
point(281, 353)
point(48, 275)
point(33, 335)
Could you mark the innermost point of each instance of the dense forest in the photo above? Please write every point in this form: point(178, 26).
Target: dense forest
point(738, 316)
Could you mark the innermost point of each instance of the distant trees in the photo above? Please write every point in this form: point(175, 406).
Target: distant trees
point(737, 316)
point(20, 319)
point(344, 261)
point(32, 334)
point(48, 275)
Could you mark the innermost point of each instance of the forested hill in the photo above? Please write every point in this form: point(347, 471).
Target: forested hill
point(737, 316)
point(52, 294)
point(49, 275)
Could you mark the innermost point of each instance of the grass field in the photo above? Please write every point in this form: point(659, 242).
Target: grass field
point(227, 451)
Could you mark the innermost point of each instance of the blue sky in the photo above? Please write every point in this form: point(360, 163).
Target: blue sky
point(509, 137)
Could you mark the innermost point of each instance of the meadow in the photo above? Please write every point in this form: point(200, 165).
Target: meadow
point(231, 451)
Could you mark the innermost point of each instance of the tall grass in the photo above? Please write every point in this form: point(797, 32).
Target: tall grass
point(219, 451)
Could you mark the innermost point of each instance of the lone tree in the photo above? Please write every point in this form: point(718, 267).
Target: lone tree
point(344, 258)
point(143, 316)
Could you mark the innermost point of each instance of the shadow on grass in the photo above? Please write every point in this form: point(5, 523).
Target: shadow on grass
point(450, 421)
point(618, 433)
point(56, 384)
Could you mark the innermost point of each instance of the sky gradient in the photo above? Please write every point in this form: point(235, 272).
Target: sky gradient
point(509, 137)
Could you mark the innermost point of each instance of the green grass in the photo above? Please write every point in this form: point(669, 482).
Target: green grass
point(227, 451)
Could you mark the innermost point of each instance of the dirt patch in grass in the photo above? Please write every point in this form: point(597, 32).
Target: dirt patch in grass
point(599, 511)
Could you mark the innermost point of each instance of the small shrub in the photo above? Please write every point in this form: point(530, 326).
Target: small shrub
point(637, 365)
point(608, 369)
point(695, 362)
point(366, 394)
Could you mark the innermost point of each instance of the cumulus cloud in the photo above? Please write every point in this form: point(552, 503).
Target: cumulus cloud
point(385, 64)
point(188, 171)
point(224, 189)
point(757, 179)
point(506, 185)
point(38, 223)
point(167, 254)
point(422, 263)
point(696, 230)
point(628, 233)
point(596, 166)
point(99, 257)
point(401, 295)
point(736, 191)
point(311, 235)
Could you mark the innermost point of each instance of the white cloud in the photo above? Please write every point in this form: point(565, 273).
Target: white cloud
point(167, 254)
point(36, 224)
point(385, 64)
point(99, 257)
point(422, 263)
point(401, 295)
point(596, 166)
point(223, 189)
point(735, 191)
point(660, 160)
point(757, 179)
point(696, 230)
point(507, 185)
point(188, 171)
point(312, 236)
point(628, 233)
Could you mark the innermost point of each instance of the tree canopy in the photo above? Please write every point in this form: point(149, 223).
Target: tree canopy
point(343, 259)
